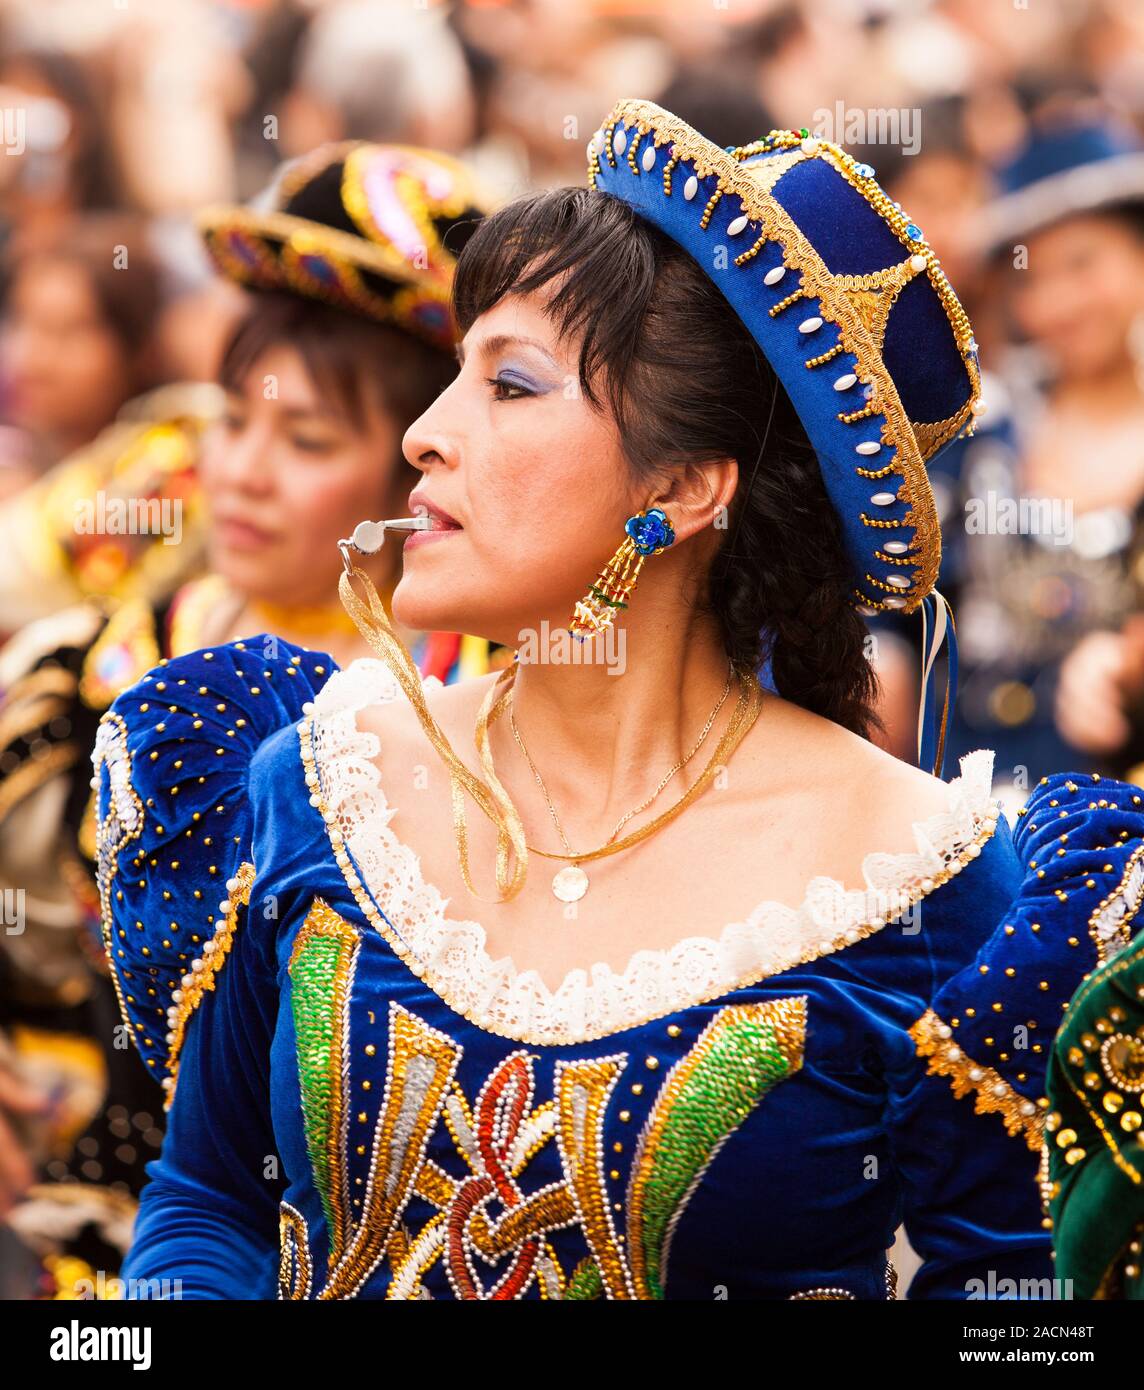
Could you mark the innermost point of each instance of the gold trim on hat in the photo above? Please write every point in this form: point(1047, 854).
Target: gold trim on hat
point(857, 305)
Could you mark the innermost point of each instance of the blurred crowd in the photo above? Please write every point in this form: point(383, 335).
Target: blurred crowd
point(130, 363)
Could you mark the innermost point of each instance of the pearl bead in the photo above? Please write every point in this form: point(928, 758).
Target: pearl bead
point(918, 263)
point(884, 499)
point(736, 226)
point(690, 188)
point(774, 275)
point(810, 325)
point(844, 383)
point(899, 581)
point(868, 447)
point(647, 159)
point(809, 146)
point(619, 141)
point(895, 547)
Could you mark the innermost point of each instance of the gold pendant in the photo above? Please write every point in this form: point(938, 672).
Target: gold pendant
point(570, 883)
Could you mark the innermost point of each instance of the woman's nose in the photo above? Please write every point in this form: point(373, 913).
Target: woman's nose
point(245, 460)
point(433, 437)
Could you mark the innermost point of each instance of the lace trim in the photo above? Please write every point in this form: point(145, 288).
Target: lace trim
point(450, 955)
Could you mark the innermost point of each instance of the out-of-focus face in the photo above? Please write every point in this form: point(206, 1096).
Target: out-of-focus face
point(942, 192)
point(531, 473)
point(1083, 288)
point(287, 476)
point(64, 368)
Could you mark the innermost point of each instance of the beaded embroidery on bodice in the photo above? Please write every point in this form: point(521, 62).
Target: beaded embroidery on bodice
point(452, 952)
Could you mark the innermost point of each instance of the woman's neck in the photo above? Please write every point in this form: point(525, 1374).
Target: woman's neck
point(603, 728)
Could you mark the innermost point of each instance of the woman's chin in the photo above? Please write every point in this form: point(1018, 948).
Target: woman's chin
point(416, 608)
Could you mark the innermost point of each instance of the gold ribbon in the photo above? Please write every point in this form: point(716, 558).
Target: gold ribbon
point(374, 625)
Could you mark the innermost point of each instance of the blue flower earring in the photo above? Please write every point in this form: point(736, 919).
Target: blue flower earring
point(647, 533)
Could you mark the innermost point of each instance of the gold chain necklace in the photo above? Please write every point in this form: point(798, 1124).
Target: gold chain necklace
point(512, 854)
point(571, 883)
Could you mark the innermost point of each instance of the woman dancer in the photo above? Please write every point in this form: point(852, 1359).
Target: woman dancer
point(713, 1036)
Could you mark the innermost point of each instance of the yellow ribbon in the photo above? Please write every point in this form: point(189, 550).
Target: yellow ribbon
point(373, 623)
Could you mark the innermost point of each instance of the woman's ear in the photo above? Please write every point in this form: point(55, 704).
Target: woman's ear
point(699, 497)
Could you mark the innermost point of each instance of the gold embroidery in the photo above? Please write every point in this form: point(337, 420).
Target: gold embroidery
point(294, 1272)
point(583, 1090)
point(421, 1066)
point(743, 1051)
point(992, 1094)
point(201, 977)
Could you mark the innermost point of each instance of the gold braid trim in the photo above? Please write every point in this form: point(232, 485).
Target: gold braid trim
point(197, 982)
point(992, 1094)
point(752, 188)
point(32, 775)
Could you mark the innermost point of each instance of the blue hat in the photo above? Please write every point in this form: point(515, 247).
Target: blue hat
point(847, 302)
point(1068, 166)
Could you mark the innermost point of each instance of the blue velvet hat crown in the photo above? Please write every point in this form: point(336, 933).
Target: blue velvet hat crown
point(848, 304)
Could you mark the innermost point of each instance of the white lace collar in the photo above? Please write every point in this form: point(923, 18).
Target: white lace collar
point(450, 954)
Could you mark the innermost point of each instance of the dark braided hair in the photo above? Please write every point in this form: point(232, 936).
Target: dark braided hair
point(664, 352)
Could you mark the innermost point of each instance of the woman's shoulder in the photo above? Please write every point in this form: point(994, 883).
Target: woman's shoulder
point(370, 693)
point(856, 797)
point(176, 817)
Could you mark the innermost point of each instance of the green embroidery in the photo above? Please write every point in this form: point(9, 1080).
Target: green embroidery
point(585, 1282)
point(739, 1057)
point(321, 968)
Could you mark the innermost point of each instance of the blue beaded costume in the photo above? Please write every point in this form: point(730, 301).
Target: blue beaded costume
point(361, 1106)
point(363, 1103)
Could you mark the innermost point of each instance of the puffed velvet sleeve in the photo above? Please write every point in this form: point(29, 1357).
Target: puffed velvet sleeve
point(968, 1110)
point(183, 808)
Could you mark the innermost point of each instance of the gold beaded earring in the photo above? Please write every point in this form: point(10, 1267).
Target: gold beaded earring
point(646, 533)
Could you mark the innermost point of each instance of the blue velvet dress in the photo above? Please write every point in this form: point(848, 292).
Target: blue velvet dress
point(364, 1104)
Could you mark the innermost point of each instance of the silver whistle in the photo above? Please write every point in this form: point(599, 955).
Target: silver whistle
point(369, 536)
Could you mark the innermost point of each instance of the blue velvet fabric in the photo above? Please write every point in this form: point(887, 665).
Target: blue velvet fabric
point(846, 1130)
